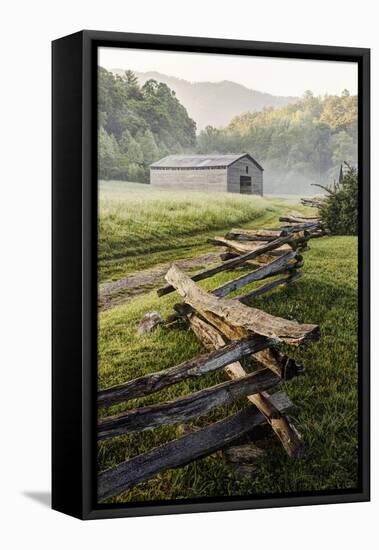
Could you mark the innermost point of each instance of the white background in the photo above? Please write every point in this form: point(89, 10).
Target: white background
point(26, 31)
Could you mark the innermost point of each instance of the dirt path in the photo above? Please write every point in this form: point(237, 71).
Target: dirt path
point(119, 292)
point(125, 289)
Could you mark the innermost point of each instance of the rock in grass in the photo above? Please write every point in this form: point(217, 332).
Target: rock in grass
point(243, 454)
point(243, 458)
point(150, 321)
point(244, 470)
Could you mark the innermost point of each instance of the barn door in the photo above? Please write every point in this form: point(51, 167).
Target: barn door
point(245, 185)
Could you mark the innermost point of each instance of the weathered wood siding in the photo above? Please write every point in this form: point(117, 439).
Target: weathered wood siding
point(214, 179)
point(238, 169)
point(210, 179)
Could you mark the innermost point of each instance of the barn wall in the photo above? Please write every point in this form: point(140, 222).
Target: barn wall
point(239, 169)
point(198, 180)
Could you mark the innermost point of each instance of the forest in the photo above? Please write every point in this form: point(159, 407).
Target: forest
point(298, 144)
point(138, 125)
point(304, 141)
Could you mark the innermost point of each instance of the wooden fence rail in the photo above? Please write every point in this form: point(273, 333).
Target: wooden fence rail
point(313, 202)
point(183, 450)
point(280, 265)
point(287, 434)
point(231, 312)
point(233, 263)
point(233, 332)
point(156, 381)
point(185, 408)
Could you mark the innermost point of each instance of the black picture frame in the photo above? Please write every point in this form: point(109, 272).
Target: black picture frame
point(74, 295)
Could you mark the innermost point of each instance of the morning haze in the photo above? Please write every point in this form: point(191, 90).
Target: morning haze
point(297, 118)
point(276, 76)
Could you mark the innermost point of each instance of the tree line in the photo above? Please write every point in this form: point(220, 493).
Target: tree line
point(307, 140)
point(301, 142)
point(137, 125)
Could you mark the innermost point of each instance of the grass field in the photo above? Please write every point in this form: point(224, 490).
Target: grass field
point(325, 398)
point(140, 226)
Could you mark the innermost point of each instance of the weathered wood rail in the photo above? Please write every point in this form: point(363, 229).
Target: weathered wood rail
point(241, 339)
point(183, 450)
point(186, 408)
point(253, 253)
point(312, 202)
point(157, 381)
point(243, 319)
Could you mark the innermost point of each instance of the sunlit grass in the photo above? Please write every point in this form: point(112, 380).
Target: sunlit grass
point(140, 225)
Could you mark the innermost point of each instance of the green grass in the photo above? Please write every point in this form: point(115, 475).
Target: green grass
point(325, 398)
point(141, 226)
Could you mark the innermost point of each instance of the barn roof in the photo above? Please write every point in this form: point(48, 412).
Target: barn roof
point(200, 161)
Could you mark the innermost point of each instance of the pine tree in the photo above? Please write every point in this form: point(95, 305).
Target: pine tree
point(108, 153)
point(149, 148)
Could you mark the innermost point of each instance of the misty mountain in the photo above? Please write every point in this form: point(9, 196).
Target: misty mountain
point(214, 103)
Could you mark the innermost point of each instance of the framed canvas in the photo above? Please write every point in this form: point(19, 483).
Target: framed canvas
point(210, 274)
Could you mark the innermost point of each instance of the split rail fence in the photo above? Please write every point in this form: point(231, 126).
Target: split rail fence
point(238, 337)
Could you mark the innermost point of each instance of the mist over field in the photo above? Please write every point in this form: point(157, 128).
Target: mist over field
point(298, 141)
point(279, 182)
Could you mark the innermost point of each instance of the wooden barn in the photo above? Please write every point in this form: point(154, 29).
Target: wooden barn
point(227, 173)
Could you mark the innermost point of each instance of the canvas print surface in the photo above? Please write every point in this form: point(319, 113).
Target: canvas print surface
point(227, 276)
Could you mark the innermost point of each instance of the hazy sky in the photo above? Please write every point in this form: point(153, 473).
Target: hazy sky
point(273, 75)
